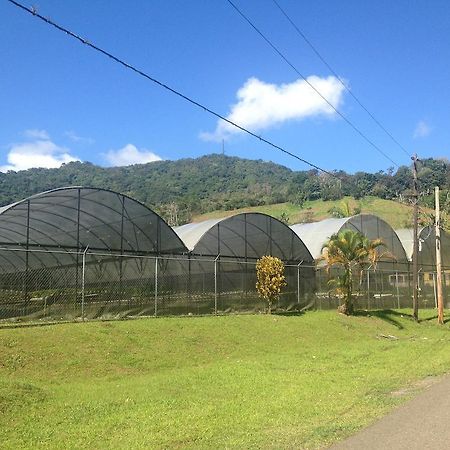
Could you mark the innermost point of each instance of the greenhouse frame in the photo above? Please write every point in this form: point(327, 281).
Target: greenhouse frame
point(81, 251)
point(237, 242)
point(316, 234)
point(245, 235)
point(78, 253)
point(75, 218)
point(427, 257)
point(386, 285)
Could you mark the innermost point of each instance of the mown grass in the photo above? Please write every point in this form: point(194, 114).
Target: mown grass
point(394, 213)
point(299, 381)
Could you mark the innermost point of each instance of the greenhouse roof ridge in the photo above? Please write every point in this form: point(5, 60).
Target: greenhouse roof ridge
point(427, 245)
point(74, 218)
point(244, 235)
point(316, 234)
point(65, 188)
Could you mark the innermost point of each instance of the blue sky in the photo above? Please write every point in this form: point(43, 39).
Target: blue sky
point(61, 101)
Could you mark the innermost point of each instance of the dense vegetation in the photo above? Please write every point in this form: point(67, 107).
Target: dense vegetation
point(179, 189)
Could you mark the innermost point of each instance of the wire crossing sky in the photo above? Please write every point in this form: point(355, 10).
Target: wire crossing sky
point(60, 102)
point(165, 86)
point(318, 92)
point(310, 44)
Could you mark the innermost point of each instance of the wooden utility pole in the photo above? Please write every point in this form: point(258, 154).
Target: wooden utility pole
point(437, 225)
point(416, 241)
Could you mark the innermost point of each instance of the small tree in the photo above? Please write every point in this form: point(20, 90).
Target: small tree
point(349, 250)
point(284, 218)
point(270, 279)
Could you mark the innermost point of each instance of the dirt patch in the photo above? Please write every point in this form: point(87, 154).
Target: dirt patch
point(418, 386)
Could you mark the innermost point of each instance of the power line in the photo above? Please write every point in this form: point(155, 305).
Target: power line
point(165, 86)
point(172, 90)
point(314, 49)
point(355, 128)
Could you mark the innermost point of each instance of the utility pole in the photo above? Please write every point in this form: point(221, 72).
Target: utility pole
point(416, 242)
point(437, 225)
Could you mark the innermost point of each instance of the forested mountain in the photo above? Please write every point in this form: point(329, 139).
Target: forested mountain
point(177, 189)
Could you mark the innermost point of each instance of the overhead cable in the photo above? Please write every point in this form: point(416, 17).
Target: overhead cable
point(345, 118)
point(314, 49)
point(165, 86)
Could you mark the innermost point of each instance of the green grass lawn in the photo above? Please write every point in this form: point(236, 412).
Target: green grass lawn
point(299, 381)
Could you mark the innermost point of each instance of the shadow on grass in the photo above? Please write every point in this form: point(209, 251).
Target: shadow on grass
point(288, 313)
point(434, 317)
point(388, 315)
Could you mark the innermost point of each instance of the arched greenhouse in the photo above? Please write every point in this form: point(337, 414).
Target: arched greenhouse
point(77, 248)
point(384, 285)
point(427, 259)
point(316, 234)
point(235, 244)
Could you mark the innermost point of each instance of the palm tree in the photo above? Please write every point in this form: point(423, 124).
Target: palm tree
point(372, 248)
point(350, 250)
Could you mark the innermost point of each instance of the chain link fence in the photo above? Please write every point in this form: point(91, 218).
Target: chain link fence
point(87, 285)
point(384, 287)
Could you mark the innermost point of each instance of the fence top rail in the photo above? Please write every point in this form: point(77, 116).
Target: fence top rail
point(198, 258)
point(90, 253)
point(182, 257)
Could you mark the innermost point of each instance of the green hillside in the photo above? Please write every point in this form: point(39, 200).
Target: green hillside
point(186, 188)
point(396, 214)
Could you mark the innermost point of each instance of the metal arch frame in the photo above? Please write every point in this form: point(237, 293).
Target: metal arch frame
point(291, 232)
point(127, 216)
point(384, 224)
point(77, 222)
point(56, 215)
point(223, 221)
point(15, 221)
point(121, 198)
point(40, 220)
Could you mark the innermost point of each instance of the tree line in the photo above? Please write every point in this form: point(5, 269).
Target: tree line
point(179, 189)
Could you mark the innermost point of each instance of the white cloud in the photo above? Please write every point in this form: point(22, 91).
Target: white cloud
point(261, 105)
point(37, 153)
point(422, 130)
point(80, 139)
point(129, 155)
point(36, 134)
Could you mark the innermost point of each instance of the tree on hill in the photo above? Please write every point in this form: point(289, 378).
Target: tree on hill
point(345, 209)
point(219, 182)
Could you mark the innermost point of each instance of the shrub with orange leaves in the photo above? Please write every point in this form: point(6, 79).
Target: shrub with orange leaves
point(270, 279)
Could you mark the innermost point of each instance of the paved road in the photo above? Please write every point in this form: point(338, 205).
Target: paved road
point(422, 423)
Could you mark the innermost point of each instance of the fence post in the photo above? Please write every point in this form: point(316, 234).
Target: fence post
point(419, 289)
point(398, 293)
point(368, 288)
point(156, 286)
point(435, 290)
point(83, 281)
point(298, 282)
point(215, 284)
